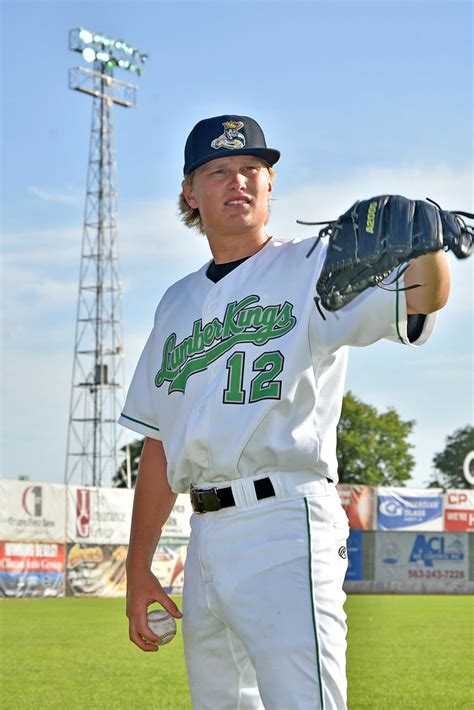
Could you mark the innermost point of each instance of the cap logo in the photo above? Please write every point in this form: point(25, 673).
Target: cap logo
point(231, 138)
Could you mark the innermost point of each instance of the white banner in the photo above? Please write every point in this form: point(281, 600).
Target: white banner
point(178, 523)
point(32, 511)
point(99, 515)
point(423, 561)
point(103, 516)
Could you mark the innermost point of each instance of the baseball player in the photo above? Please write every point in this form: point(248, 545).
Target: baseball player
point(238, 392)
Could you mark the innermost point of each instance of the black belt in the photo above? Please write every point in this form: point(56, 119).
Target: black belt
point(206, 500)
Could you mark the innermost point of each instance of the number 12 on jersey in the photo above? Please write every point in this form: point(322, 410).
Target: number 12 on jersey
point(263, 386)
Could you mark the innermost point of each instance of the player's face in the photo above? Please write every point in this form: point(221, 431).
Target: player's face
point(231, 194)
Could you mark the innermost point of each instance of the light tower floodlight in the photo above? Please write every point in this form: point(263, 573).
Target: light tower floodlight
point(105, 54)
point(94, 437)
point(106, 49)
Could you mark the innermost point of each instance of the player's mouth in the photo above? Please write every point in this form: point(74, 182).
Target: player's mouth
point(237, 201)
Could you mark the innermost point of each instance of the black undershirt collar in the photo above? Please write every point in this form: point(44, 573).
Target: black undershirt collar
point(216, 272)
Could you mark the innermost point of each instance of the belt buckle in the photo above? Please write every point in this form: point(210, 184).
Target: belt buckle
point(204, 501)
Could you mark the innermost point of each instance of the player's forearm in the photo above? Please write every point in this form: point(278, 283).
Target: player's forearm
point(432, 272)
point(152, 505)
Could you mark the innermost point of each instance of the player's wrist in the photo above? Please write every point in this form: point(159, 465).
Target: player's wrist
point(138, 563)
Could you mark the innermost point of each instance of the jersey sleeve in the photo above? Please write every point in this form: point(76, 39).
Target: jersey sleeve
point(374, 315)
point(139, 413)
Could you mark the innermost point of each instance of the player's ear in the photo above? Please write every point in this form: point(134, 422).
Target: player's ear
point(189, 196)
point(270, 175)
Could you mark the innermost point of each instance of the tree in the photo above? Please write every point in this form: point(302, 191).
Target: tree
point(120, 478)
point(448, 464)
point(372, 448)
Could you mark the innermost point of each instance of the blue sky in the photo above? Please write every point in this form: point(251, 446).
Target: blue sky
point(360, 97)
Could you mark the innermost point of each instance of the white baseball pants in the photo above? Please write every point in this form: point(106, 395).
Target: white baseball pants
point(263, 618)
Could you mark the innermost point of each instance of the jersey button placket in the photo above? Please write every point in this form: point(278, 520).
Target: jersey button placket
point(202, 456)
point(198, 429)
point(209, 312)
point(211, 305)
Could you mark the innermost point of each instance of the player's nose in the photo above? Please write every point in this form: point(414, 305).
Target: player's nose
point(237, 180)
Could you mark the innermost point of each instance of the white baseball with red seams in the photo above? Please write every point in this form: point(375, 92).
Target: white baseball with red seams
point(162, 624)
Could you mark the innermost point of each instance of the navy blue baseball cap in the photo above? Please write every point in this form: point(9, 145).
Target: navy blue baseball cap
point(221, 136)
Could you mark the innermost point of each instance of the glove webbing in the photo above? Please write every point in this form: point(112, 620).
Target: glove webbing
point(378, 280)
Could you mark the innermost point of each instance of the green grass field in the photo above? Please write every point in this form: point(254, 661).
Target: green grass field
point(405, 652)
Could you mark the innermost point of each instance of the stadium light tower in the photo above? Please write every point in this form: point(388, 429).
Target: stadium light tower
point(93, 440)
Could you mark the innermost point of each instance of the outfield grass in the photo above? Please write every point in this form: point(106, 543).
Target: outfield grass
point(410, 652)
point(405, 653)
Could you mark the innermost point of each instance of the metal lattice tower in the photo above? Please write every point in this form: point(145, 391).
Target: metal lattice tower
point(94, 438)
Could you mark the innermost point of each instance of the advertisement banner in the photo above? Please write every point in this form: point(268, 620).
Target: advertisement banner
point(103, 516)
point(410, 509)
point(99, 515)
point(359, 502)
point(32, 511)
point(354, 555)
point(31, 569)
point(459, 510)
point(168, 567)
point(95, 570)
point(422, 561)
point(177, 526)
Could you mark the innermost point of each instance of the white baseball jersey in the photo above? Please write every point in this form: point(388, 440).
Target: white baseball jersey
point(244, 377)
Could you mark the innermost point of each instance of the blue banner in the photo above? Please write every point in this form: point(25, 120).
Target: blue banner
point(31, 584)
point(402, 509)
point(354, 555)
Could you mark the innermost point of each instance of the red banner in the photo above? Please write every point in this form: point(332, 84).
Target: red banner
point(31, 569)
point(459, 510)
point(359, 502)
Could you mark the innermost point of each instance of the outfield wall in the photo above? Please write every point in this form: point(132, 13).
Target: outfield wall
point(410, 563)
point(60, 540)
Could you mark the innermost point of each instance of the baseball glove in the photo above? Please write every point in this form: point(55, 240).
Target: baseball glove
point(375, 236)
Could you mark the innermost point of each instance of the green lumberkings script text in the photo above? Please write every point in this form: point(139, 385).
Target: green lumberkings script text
point(243, 322)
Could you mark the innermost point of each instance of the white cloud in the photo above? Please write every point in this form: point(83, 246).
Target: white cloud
point(459, 361)
point(322, 199)
point(54, 245)
point(152, 228)
point(66, 196)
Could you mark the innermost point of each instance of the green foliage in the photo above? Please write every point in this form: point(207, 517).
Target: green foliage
point(372, 448)
point(120, 478)
point(448, 464)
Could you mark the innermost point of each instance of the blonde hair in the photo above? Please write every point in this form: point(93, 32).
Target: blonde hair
point(190, 216)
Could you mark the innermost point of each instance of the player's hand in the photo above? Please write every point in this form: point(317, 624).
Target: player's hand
point(143, 589)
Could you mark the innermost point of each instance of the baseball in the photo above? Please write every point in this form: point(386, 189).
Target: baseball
point(162, 624)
